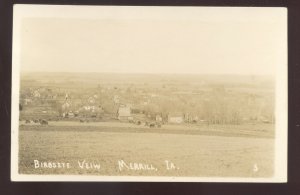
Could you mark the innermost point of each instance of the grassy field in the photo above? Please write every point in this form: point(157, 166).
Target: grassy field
point(224, 151)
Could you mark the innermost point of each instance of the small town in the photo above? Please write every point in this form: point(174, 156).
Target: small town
point(159, 101)
point(211, 120)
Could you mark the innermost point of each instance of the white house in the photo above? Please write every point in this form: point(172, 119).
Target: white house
point(175, 118)
point(124, 113)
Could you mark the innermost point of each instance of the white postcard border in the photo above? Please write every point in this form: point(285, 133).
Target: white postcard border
point(21, 11)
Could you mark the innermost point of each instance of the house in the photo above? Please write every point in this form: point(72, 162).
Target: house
point(71, 114)
point(90, 111)
point(91, 100)
point(66, 106)
point(175, 118)
point(36, 94)
point(116, 99)
point(124, 113)
point(158, 118)
point(27, 101)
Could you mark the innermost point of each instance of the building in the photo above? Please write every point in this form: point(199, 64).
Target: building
point(91, 100)
point(158, 118)
point(71, 114)
point(90, 111)
point(124, 113)
point(27, 101)
point(175, 118)
point(116, 99)
point(66, 106)
point(190, 118)
point(36, 94)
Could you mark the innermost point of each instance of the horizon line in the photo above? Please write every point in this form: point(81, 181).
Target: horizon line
point(148, 73)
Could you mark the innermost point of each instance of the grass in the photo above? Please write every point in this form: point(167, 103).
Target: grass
point(232, 152)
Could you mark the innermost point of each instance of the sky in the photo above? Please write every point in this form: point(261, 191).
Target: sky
point(160, 40)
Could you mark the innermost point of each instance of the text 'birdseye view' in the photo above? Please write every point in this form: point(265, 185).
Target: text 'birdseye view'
point(150, 93)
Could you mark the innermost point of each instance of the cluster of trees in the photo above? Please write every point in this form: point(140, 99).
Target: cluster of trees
point(216, 106)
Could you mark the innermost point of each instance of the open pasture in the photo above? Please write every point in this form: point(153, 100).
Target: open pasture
point(194, 152)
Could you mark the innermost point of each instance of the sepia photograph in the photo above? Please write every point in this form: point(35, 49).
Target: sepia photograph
point(134, 93)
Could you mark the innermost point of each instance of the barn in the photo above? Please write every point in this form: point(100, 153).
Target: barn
point(124, 113)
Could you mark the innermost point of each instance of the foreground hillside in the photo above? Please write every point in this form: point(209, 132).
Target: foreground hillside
point(193, 152)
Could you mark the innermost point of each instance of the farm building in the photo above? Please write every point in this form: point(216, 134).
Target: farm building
point(124, 113)
point(175, 118)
